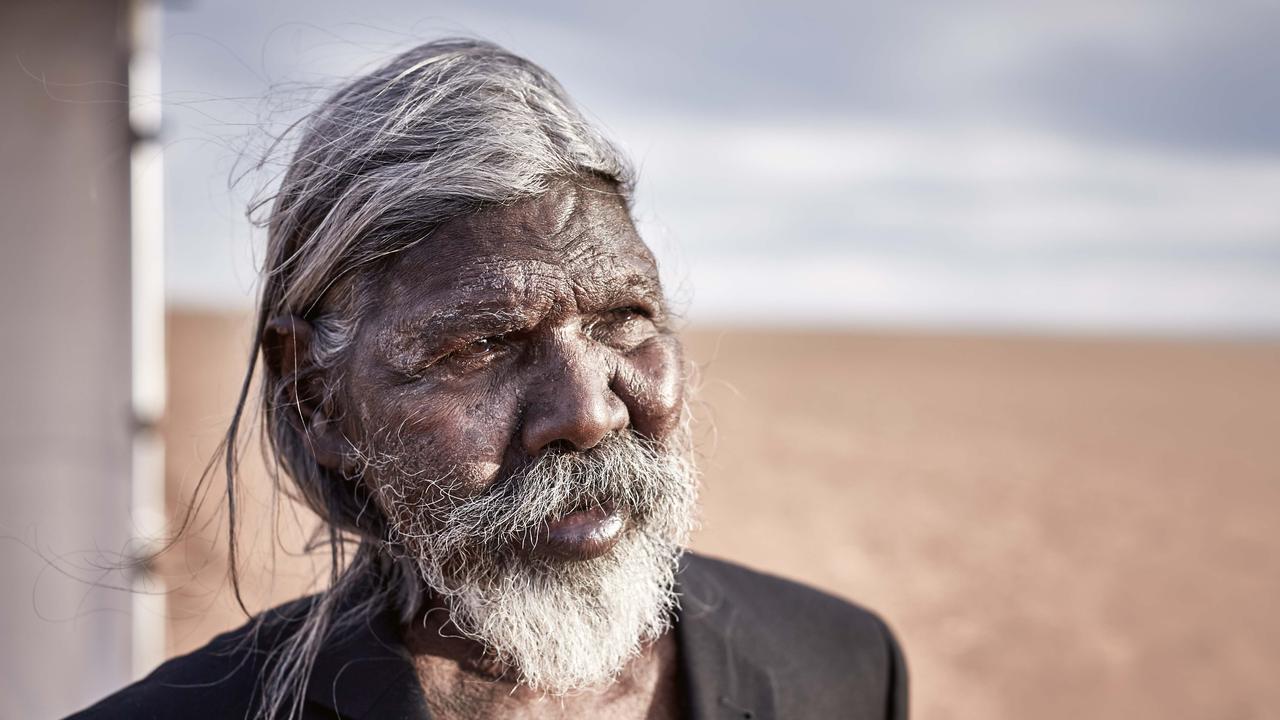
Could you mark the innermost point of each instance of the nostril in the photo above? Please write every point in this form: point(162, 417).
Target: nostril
point(559, 446)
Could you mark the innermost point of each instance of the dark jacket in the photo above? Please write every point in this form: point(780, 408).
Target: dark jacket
point(751, 646)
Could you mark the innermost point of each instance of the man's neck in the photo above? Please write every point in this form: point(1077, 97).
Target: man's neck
point(461, 680)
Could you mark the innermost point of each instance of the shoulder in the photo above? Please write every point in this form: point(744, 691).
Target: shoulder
point(812, 639)
point(218, 680)
point(790, 607)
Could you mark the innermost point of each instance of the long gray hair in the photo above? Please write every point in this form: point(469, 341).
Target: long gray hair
point(447, 128)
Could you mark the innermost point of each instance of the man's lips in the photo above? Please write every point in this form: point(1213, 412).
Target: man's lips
point(581, 535)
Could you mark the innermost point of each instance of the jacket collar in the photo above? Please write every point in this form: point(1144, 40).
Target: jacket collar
point(722, 678)
point(366, 671)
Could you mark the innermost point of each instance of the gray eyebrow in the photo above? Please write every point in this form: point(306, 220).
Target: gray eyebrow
point(637, 282)
point(469, 317)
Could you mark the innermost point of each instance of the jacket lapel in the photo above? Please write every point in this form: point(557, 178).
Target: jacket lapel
point(722, 680)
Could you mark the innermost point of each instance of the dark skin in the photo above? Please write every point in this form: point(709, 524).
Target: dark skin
point(508, 332)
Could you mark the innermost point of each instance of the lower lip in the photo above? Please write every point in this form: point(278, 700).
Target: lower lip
point(581, 535)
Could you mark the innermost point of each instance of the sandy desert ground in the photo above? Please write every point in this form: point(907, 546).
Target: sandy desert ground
point(1056, 528)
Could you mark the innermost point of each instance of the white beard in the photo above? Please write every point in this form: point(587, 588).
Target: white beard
point(561, 626)
point(574, 630)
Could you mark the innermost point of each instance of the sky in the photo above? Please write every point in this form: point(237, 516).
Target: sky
point(1097, 167)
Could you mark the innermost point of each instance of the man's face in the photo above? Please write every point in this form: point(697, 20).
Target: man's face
point(517, 405)
point(533, 327)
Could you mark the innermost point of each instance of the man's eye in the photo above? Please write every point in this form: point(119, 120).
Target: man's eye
point(479, 350)
point(626, 314)
point(624, 326)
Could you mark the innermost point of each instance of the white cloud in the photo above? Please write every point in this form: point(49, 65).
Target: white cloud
point(1231, 298)
point(1001, 188)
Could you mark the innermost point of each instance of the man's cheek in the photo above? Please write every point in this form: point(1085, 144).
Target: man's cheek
point(468, 435)
point(652, 384)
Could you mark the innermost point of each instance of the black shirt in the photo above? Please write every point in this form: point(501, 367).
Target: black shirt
point(752, 646)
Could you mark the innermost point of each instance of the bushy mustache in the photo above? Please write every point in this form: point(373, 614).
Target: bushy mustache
point(635, 476)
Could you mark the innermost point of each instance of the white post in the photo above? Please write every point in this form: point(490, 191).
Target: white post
point(148, 320)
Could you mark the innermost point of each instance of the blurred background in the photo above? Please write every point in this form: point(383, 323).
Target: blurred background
point(985, 296)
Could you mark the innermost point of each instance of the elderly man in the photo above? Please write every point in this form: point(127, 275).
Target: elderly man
point(470, 376)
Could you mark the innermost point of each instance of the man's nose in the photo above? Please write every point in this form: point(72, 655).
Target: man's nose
point(575, 404)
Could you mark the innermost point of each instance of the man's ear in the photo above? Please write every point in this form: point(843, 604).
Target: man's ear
point(286, 351)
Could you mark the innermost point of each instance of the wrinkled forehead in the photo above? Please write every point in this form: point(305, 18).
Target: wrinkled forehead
point(578, 237)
